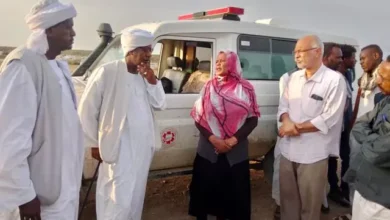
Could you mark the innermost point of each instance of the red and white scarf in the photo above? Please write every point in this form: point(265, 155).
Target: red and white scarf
point(226, 102)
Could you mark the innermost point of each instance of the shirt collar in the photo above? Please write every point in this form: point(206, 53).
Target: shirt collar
point(317, 76)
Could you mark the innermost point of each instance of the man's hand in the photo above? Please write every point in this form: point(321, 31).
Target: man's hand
point(95, 154)
point(306, 127)
point(147, 73)
point(219, 144)
point(288, 128)
point(31, 210)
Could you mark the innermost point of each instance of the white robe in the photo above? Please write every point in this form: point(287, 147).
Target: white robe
point(367, 103)
point(275, 178)
point(121, 186)
point(15, 139)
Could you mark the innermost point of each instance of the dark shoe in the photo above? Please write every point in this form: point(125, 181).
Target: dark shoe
point(345, 194)
point(324, 209)
point(338, 197)
point(277, 213)
point(345, 191)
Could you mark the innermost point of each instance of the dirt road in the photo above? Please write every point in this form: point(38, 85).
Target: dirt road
point(167, 199)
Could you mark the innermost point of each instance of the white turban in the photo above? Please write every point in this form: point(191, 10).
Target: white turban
point(43, 15)
point(134, 38)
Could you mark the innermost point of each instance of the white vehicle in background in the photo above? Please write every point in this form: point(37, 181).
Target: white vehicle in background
point(188, 47)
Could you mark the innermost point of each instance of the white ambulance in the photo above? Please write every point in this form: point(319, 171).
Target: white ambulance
point(188, 47)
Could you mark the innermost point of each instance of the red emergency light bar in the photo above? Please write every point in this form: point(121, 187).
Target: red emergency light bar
point(228, 10)
point(220, 12)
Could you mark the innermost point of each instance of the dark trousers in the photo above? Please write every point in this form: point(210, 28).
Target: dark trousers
point(332, 165)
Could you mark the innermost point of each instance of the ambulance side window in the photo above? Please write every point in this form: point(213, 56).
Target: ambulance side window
point(185, 65)
point(265, 58)
point(156, 57)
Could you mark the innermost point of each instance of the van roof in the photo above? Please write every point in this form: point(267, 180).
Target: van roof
point(238, 27)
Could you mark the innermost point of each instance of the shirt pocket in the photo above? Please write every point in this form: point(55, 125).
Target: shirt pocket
point(313, 104)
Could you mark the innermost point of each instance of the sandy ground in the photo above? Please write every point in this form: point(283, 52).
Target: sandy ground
point(167, 199)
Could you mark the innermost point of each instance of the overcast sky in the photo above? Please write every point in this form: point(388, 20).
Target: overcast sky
point(366, 21)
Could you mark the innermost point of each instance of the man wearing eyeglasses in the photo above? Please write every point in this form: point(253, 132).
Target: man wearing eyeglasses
point(311, 111)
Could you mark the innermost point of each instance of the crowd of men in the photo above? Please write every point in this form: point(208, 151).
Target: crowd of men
point(43, 131)
point(317, 123)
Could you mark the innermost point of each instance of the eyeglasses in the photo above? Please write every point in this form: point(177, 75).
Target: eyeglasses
point(303, 51)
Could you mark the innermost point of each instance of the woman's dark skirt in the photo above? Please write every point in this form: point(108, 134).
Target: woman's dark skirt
point(220, 190)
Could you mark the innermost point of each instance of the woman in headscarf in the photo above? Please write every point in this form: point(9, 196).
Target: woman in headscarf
point(225, 114)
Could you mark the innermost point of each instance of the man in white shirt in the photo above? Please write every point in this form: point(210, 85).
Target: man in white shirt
point(116, 111)
point(311, 112)
point(275, 178)
point(41, 142)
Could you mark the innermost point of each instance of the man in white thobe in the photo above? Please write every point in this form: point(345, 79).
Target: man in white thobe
point(116, 111)
point(275, 178)
point(41, 147)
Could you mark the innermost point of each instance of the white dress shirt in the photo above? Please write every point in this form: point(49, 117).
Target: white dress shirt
point(320, 100)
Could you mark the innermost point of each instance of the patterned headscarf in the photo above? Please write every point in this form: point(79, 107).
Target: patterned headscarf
point(226, 102)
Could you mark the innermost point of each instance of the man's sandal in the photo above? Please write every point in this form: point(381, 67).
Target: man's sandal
point(343, 217)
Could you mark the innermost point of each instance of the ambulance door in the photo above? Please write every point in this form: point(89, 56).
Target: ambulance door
point(186, 62)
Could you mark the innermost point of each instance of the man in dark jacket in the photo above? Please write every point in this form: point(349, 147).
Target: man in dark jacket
point(370, 157)
point(378, 97)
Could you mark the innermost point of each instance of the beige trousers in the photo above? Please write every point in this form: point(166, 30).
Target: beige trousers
point(302, 189)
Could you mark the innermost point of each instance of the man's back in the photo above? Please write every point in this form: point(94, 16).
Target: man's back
point(283, 83)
